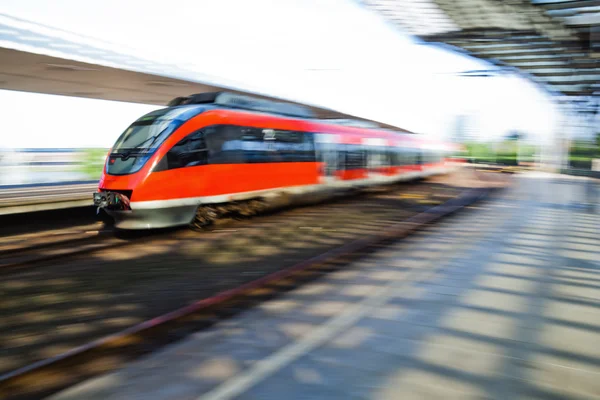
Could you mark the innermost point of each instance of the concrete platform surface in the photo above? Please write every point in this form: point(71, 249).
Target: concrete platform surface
point(499, 302)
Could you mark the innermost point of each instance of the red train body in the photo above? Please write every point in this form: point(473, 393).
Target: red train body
point(212, 151)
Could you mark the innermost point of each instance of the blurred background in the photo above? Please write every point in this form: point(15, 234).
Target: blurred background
point(515, 81)
point(510, 290)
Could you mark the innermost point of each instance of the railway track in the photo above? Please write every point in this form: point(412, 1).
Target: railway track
point(29, 250)
point(16, 242)
point(66, 245)
point(227, 293)
point(33, 256)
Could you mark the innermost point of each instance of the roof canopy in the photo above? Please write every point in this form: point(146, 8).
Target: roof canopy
point(42, 59)
point(555, 43)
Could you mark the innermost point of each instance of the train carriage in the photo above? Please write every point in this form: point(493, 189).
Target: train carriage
point(209, 154)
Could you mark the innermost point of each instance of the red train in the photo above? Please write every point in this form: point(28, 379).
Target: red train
point(216, 153)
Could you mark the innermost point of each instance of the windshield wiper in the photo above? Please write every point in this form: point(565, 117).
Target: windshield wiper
point(152, 138)
point(126, 154)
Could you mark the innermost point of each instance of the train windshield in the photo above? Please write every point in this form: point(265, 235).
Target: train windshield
point(152, 129)
point(141, 139)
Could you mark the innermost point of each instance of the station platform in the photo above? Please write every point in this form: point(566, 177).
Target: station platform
point(501, 301)
point(29, 198)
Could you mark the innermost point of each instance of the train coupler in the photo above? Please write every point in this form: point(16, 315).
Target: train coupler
point(111, 201)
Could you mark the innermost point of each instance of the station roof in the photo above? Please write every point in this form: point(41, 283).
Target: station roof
point(42, 59)
point(555, 43)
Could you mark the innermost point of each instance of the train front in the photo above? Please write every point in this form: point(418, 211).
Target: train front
point(124, 187)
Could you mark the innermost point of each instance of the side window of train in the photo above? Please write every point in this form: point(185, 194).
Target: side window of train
point(189, 152)
point(407, 156)
point(296, 146)
point(226, 144)
point(256, 145)
point(396, 156)
point(275, 145)
point(378, 157)
point(415, 157)
point(239, 144)
point(402, 156)
point(388, 157)
point(354, 157)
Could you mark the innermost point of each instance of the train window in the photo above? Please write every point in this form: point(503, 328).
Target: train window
point(408, 157)
point(250, 134)
point(297, 146)
point(396, 156)
point(352, 157)
point(226, 143)
point(289, 136)
point(230, 144)
point(416, 157)
point(431, 157)
point(389, 157)
point(188, 152)
point(378, 157)
point(141, 139)
point(151, 130)
point(236, 144)
point(403, 156)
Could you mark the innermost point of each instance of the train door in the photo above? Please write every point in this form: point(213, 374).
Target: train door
point(373, 161)
point(377, 156)
point(327, 154)
point(419, 159)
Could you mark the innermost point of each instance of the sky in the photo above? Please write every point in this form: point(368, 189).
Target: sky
point(331, 52)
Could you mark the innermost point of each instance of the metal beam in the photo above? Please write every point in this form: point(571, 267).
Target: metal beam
point(562, 4)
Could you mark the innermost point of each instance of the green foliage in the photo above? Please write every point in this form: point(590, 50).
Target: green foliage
point(582, 152)
point(504, 153)
point(92, 162)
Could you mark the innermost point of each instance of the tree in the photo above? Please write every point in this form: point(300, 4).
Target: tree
point(92, 162)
